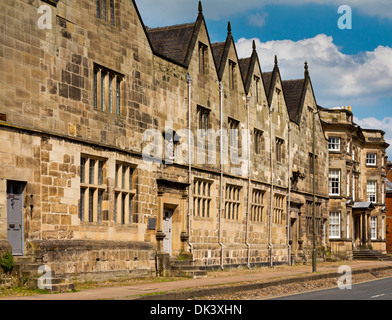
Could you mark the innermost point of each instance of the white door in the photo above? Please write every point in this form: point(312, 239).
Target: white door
point(167, 230)
point(15, 217)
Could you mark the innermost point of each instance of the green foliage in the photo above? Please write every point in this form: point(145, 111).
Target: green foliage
point(7, 262)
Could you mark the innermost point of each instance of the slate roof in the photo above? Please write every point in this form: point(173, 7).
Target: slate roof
point(389, 186)
point(173, 41)
point(217, 51)
point(267, 76)
point(363, 205)
point(293, 91)
point(244, 66)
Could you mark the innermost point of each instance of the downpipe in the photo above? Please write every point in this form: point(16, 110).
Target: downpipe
point(190, 191)
point(270, 246)
point(221, 172)
point(289, 262)
point(249, 184)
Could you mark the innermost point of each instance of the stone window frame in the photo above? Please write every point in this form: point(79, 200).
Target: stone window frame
point(334, 144)
point(234, 136)
point(370, 160)
point(233, 198)
point(371, 191)
point(107, 88)
point(202, 198)
point(93, 188)
point(383, 192)
point(258, 140)
point(309, 218)
point(232, 75)
point(279, 201)
point(279, 149)
point(334, 177)
point(203, 58)
point(124, 193)
point(203, 120)
point(334, 225)
point(105, 10)
point(373, 228)
point(257, 88)
point(257, 205)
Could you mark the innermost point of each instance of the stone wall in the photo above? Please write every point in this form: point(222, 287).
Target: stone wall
point(95, 260)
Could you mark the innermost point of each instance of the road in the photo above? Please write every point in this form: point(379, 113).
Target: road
point(380, 289)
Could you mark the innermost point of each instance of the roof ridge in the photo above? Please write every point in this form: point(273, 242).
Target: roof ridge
point(218, 43)
point(176, 26)
point(291, 80)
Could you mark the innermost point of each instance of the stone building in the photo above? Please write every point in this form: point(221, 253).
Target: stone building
point(357, 184)
point(123, 146)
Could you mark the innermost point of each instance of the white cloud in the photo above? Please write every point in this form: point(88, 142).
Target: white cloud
point(361, 80)
point(382, 124)
point(338, 79)
point(257, 19)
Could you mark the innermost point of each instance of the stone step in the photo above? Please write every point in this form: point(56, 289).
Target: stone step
point(23, 259)
point(181, 262)
point(33, 267)
point(184, 267)
point(193, 273)
point(370, 255)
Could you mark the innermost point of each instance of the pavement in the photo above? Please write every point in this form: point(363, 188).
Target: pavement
point(216, 282)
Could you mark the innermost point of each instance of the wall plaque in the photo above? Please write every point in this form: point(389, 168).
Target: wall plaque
point(152, 223)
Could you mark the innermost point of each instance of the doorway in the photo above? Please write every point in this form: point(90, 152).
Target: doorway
point(15, 216)
point(167, 230)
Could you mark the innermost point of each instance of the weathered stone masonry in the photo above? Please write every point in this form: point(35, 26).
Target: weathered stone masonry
point(76, 103)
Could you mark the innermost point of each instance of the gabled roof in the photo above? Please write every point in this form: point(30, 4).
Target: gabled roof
point(267, 77)
point(294, 95)
point(217, 51)
point(247, 67)
point(220, 51)
point(270, 79)
point(176, 43)
point(244, 66)
point(172, 41)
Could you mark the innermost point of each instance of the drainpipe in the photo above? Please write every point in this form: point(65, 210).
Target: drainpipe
point(314, 195)
point(249, 184)
point(289, 197)
point(270, 247)
point(190, 191)
point(221, 170)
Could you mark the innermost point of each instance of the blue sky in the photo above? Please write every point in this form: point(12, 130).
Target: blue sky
point(347, 67)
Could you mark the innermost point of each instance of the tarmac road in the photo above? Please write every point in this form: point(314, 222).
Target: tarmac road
point(380, 289)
